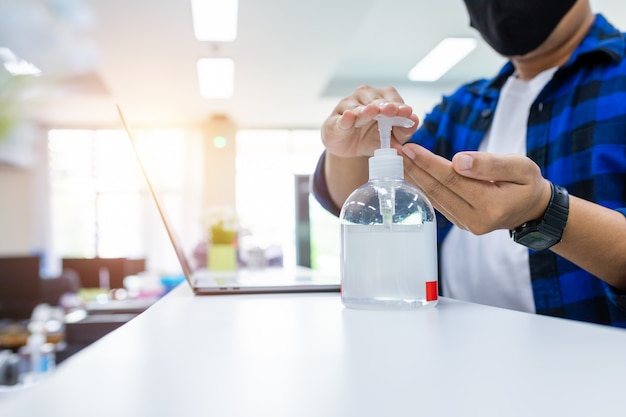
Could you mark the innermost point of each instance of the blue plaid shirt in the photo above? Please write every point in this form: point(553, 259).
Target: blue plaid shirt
point(576, 134)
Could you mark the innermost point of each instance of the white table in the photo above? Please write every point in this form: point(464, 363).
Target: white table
point(306, 355)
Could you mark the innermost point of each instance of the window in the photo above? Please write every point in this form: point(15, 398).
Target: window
point(267, 163)
point(99, 200)
point(95, 194)
point(100, 205)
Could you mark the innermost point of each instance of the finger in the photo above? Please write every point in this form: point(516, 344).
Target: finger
point(403, 134)
point(366, 102)
point(364, 117)
point(436, 177)
point(366, 113)
point(366, 95)
point(443, 209)
point(346, 121)
point(491, 167)
point(448, 214)
point(441, 176)
point(507, 170)
point(361, 97)
point(392, 109)
point(369, 102)
point(466, 202)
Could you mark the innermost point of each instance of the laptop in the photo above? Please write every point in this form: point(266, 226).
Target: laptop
point(263, 280)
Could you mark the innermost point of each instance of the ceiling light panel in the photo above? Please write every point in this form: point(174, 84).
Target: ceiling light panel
point(215, 20)
point(442, 58)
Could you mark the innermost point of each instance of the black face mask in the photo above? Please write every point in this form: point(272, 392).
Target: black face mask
point(516, 27)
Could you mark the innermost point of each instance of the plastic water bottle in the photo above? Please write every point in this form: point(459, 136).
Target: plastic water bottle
point(388, 236)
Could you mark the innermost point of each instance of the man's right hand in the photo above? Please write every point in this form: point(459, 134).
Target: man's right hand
point(350, 135)
point(351, 131)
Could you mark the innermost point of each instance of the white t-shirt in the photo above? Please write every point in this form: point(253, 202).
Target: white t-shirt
point(492, 269)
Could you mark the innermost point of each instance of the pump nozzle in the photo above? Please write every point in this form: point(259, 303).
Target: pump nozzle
point(386, 162)
point(385, 123)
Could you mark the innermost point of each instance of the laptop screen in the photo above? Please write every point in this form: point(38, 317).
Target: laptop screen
point(176, 243)
point(238, 280)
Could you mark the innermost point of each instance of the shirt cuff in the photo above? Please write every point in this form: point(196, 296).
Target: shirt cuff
point(617, 296)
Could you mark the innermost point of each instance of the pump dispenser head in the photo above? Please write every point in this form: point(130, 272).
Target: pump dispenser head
point(386, 163)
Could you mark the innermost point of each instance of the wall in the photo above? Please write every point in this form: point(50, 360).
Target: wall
point(24, 208)
point(16, 210)
point(219, 162)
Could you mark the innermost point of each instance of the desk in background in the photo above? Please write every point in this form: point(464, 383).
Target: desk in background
point(306, 355)
point(98, 320)
point(90, 270)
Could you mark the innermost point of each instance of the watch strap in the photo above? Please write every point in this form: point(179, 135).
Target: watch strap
point(555, 217)
point(547, 231)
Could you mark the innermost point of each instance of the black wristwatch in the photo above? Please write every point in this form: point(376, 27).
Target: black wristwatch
point(547, 231)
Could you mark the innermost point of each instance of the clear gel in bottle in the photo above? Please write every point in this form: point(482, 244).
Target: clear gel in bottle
point(388, 236)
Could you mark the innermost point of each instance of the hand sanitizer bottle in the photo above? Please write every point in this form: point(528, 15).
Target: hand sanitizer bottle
point(388, 236)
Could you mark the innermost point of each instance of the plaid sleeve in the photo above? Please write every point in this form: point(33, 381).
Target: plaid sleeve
point(617, 296)
point(320, 188)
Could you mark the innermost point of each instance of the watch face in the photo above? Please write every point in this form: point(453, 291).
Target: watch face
point(535, 240)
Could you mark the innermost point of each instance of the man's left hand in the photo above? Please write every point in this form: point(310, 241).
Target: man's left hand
point(479, 191)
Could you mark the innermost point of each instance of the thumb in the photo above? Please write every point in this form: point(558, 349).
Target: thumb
point(491, 167)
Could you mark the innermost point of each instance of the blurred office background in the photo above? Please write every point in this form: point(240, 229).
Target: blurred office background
point(69, 184)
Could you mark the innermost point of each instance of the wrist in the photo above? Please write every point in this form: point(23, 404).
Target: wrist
point(546, 198)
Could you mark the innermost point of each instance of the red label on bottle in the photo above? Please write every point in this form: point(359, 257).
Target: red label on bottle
point(431, 291)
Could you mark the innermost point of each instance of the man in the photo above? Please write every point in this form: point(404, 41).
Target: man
point(527, 170)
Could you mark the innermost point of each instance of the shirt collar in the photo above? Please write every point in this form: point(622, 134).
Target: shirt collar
point(603, 39)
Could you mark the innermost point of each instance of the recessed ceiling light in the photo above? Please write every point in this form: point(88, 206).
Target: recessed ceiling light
point(442, 58)
point(216, 77)
point(215, 20)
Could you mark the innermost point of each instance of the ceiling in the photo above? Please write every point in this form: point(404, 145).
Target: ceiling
point(294, 59)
